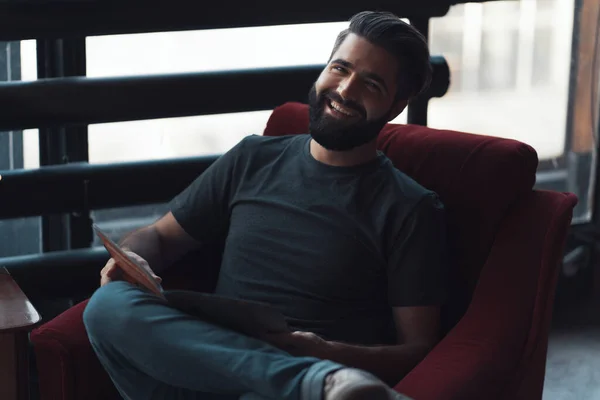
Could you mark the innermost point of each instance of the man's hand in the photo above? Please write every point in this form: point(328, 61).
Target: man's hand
point(111, 271)
point(301, 344)
point(388, 362)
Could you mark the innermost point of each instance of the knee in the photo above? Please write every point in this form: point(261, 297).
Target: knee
point(108, 309)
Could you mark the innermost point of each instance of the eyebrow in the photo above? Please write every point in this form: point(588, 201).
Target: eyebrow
point(370, 75)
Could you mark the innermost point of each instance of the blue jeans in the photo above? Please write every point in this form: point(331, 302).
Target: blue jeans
point(152, 351)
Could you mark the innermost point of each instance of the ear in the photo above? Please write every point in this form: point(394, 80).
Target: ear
point(397, 108)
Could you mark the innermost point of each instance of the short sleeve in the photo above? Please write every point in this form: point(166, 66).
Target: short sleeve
point(418, 263)
point(202, 209)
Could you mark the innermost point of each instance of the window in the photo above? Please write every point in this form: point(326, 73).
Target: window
point(197, 51)
point(172, 137)
point(192, 51)
point(116, 222)
point(510, 71)
point(31, 140)
point(510, 65)
point(19, 149)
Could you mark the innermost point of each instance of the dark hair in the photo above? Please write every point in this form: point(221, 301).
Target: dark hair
point(406, 43)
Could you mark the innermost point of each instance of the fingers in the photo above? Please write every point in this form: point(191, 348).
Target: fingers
point(104, 280)
point(144, 264)
point(306, 335)
point(108, 265)
point(110, 272)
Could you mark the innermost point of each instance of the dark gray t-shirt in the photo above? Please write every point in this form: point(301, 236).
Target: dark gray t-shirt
point(333, 248)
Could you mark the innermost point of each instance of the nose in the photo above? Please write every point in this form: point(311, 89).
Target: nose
point(347, 88)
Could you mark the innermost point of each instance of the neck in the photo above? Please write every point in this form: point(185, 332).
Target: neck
point(356, 156)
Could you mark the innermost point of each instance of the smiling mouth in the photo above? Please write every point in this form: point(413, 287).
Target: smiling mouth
point(339, 110)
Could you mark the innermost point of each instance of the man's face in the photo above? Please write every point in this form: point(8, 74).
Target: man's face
point(353, 98)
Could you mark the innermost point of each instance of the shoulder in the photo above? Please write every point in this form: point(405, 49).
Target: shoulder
point(407, 190)
point(260, 142)
point(257, 153)
point(258, 148)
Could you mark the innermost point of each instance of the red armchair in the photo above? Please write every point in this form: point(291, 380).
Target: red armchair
point(507, 242)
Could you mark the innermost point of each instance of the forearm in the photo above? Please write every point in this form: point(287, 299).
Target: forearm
point(147, 244)
point(389, 363)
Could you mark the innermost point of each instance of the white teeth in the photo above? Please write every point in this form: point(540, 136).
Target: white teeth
point(339, 108)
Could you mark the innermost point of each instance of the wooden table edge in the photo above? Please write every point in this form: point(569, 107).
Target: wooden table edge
point(16, 295)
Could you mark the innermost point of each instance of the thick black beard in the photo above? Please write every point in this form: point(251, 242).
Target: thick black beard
point(335, 135)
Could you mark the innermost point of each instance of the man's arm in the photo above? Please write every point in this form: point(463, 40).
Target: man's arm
point(161, 243)
point(418, 331)
point(198, 215)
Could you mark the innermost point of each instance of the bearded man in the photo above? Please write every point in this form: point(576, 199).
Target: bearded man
point(321, 227)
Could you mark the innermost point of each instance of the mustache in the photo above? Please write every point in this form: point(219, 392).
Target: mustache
point(346, 103)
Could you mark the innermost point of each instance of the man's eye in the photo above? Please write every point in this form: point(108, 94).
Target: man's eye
point(373, 85)
point(338, 68)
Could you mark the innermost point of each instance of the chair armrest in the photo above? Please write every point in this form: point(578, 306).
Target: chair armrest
point(68, 368)
point(498, 349)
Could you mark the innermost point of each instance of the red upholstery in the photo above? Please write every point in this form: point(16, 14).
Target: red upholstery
point(507, 241)
point(67, 365)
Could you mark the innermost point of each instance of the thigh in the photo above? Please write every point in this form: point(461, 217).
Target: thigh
point(152, 351)
point(134, 385)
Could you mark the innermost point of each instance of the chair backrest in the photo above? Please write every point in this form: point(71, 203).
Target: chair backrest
point(477, 177)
